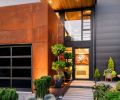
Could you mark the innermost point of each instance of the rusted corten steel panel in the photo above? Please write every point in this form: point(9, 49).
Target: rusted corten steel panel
point(35, 24)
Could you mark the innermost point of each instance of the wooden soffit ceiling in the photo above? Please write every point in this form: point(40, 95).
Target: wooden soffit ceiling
point(71, 4)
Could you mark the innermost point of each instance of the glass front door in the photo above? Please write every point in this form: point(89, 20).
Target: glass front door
point(82, 63)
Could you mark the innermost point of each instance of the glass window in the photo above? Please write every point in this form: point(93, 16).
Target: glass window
point(78, 25)
point(21, 51)
point(21, 62)
point(4, 72)
point(73, 25)
point(5, 51)
point(21, 83)
point(4, 83)
point(21, 73)
point(4, 62)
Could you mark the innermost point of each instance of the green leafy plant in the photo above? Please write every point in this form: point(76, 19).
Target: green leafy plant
point(68, 64)
point(111, 67)
point(42, 85)
point(100, 90)
point(68, 55)
point(118, 85)
point(112, 95)
point(111, 64)
point(58, 65)
point(109, 71)
point(8, 94)
point(96, 74)
point(57, 49)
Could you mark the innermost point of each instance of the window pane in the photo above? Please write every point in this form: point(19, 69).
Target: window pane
point(21, 73)
point(87, 35)
point(4, 72)
point(21, 51)
point(21, 83)
point(4, 62)
point(5, 51)
point(87, 12)
point(4, 83)
point(73, 25)
point(21, 62)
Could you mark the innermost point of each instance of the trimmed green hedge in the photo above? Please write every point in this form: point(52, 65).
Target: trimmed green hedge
point(8, 94)
point(42, 85)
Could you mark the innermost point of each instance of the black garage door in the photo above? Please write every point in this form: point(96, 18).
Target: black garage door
point(15, 67)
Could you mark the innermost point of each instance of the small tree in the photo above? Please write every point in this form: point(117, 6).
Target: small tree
point(58, 65)
point(96, 75)
point(58, 49)
point(111, 64)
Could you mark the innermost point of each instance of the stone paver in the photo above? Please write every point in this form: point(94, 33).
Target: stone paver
point(78, 94)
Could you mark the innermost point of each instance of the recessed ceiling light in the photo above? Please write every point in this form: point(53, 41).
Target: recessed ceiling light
point(50, 1)
point(76, 0)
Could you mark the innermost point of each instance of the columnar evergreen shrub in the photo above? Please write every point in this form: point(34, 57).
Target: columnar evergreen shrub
point(42, 85)
point(96, 74)
point(8, 94)
point(111, 64)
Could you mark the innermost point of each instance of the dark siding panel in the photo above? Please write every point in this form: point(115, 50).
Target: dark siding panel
point(107, 22)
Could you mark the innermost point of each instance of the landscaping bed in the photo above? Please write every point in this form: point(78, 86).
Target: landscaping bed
point(59, 91)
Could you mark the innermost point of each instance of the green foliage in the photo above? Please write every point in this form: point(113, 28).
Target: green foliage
point(58, 65)
point(57, 49)
point(111, 64)
point(48, 79)
point(118, 85)
point(112, 95)
point(107, 71)
point(68, 55)
point(113, 73)
point(42, 85)
point(96, 74)
point(8, 94)
point(100, 90)
point(68, 64)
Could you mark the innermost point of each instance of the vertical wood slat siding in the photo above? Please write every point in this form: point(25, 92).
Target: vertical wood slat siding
point(107, 21)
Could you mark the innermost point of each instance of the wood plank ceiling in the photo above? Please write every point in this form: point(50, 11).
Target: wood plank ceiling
point(71, 4)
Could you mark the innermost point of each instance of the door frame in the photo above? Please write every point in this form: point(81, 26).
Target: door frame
point(91, 67)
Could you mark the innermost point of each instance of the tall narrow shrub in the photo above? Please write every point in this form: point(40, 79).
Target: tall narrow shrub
point(111, 64)
point(96, 75)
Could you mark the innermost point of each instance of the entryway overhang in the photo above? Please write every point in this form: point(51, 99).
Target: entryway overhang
point(71, 4)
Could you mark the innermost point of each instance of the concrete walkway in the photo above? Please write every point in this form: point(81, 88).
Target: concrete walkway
point(79, 90)
point(82, 90)
point(78, 94)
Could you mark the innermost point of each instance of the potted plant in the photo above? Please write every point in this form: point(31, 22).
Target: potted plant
point(58, 65)
point(110, 72)
point(42, 85)
point(68, 64)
